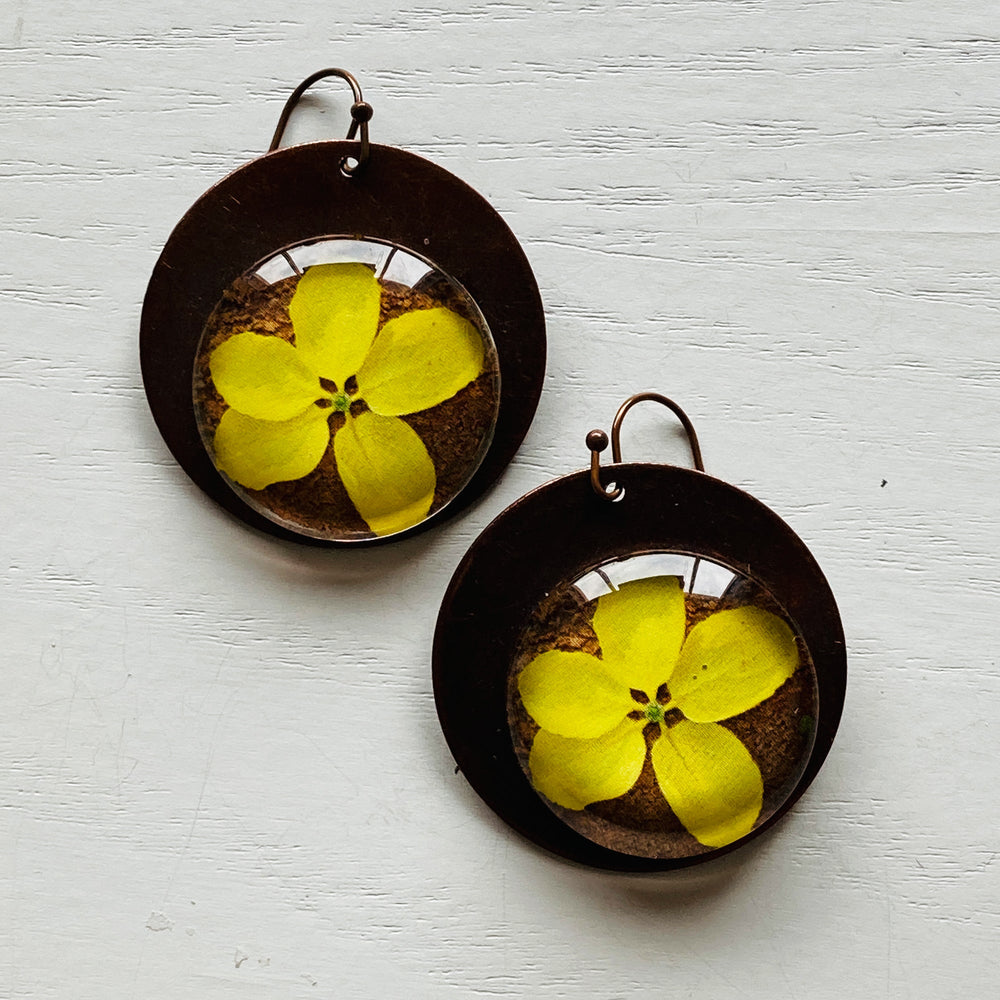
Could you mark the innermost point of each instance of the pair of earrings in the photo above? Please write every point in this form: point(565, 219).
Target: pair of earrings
point(343, 344)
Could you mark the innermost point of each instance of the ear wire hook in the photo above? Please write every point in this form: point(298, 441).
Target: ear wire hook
point(361, 114)
point(597, 441)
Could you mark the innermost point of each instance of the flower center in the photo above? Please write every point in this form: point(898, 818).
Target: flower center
point(653, 711)
point(660, 710)
point(342, 402)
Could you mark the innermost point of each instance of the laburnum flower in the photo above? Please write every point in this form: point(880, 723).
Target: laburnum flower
point(593, 712)
point(281, 395)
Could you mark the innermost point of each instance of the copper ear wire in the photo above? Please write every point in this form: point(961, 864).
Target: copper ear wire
point(361, 114)
point(597, 441)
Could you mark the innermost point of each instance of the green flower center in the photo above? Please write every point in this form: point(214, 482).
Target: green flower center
point(651, 709)
point(342, 402)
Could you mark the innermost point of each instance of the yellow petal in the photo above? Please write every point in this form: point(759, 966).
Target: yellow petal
point(386, 470)
point(709, 780)
point(334, 313)
point(568, 693)
point(640, 628)
point(418, 360)
point(574, 773)
point(257, 453)
point(264, 377)
point(731, 662)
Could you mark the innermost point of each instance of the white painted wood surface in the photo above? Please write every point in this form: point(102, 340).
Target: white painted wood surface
point(221, 773)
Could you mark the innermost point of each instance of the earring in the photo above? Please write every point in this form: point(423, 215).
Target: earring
point(341, 342)
point(642, 675)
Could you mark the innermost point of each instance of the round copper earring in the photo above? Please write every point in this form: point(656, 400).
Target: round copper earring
point(642, 675)
point(341, 342)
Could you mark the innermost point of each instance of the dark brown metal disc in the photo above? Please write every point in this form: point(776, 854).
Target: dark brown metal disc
point(297, 194)
point(562, 530)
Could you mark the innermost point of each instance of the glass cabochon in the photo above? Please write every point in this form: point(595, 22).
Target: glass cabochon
point(346, 388)
point(662, 705)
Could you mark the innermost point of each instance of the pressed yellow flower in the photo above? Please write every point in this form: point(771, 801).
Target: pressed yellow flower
point(281, 395)
point(592, 712)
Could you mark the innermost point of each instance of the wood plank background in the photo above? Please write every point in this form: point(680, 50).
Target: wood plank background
point(221, 773)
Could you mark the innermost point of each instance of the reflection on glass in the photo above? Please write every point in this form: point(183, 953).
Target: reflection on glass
point(711, 578)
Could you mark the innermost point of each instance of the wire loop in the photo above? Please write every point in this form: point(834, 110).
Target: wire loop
point(597, 441)
point(361, 115)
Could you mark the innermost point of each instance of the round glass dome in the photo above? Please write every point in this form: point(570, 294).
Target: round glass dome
point(346, 389)
point(662, 705)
